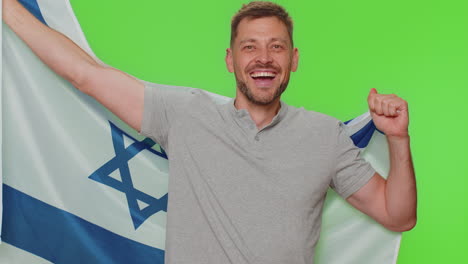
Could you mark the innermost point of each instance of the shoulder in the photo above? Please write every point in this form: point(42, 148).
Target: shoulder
point(313, 120)
point(181, 95)
point(310, 126)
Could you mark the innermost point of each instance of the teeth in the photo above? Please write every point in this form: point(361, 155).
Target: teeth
point(262, 74)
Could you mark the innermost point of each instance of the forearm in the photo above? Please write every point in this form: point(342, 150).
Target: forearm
point(57, 51)
point(400, 188)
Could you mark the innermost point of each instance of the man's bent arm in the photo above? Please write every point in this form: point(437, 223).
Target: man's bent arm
point(391, 202)
point(117, 91)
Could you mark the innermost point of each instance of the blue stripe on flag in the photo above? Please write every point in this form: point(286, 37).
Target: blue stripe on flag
point(61, 237)
point(362, 138)
point(33, 7)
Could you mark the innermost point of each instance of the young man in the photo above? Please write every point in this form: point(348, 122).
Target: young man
point(233, 198)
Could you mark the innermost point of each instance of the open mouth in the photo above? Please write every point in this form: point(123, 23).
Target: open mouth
point(263, 78)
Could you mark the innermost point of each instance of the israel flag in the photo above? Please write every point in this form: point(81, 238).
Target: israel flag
point(80, 186)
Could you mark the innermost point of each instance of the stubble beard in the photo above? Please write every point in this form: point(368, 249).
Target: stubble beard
point(251, 97)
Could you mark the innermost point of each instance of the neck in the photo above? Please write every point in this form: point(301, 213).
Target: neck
point(262, 115)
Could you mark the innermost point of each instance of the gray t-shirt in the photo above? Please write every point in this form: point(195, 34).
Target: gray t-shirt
point(239, 195)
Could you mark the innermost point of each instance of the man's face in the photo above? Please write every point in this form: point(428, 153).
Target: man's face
point(262, 58)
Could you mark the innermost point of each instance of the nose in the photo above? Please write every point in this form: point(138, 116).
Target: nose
point(264, 57)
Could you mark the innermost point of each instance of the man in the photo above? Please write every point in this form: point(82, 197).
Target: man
point(233, 198)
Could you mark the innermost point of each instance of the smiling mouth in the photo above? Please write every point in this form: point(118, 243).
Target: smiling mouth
point(268, 75)
point(263, 78)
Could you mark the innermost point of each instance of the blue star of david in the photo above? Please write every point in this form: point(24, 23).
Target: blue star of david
point(120, 162)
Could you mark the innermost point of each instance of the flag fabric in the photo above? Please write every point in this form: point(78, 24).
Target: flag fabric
point(80, 186)
point(1, 128)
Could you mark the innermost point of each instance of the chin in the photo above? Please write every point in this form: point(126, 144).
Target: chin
point(260, 95)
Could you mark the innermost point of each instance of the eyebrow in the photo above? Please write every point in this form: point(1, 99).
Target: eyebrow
point(271, 40)
point(247, 40)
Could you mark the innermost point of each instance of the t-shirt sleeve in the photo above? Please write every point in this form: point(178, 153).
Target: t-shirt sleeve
point(351, 171)
point(163, 106)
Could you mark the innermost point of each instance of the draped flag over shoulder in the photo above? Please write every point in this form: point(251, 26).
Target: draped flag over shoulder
point(1, 123)
point(80, 186)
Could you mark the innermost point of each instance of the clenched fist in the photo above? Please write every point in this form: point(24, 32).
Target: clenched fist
point(389, 113)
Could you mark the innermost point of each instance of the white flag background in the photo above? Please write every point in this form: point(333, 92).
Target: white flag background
point(79, 186)
point(1, 123)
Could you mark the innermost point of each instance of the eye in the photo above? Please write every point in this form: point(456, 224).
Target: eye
point(249, 47)
point(277, 46)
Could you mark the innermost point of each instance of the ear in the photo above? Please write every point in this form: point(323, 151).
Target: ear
point(229, 62)
point(295, 60)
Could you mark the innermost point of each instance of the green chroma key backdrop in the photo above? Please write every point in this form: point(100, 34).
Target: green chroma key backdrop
point(416, 49)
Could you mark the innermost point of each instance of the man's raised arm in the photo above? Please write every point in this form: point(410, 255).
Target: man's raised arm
point(391, 202)
point(117, 91)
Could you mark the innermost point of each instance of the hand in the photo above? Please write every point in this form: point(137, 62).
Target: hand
point(389, 113)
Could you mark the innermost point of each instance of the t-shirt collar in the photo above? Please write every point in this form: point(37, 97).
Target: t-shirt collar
point(244, 113)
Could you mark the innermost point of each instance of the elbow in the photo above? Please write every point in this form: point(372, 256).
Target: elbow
point(403, 226)
point(83, 78)
point(406, 227)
